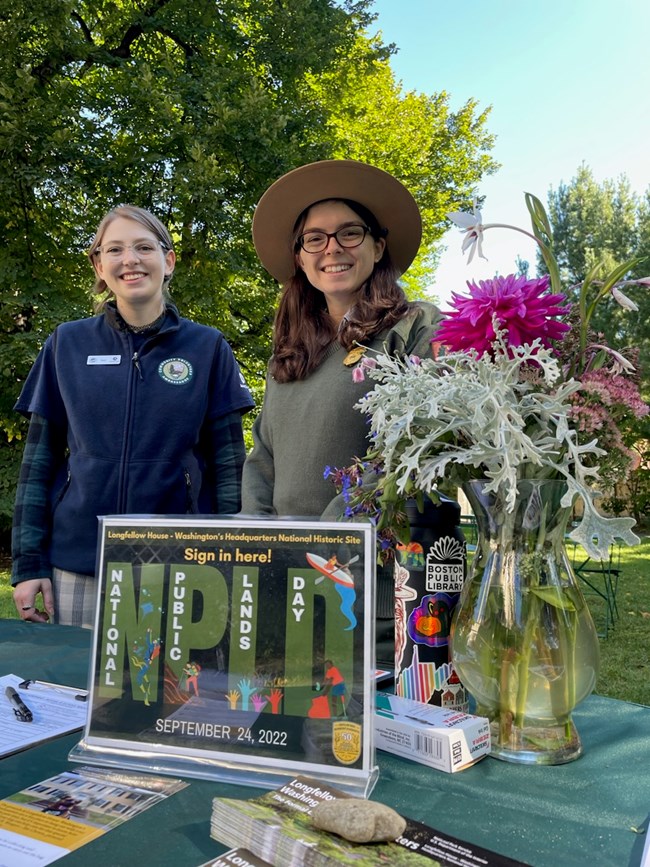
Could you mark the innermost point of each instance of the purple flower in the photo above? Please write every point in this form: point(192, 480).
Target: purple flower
point(517, 304)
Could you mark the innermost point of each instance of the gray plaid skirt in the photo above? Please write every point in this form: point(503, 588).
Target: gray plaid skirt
point(75, 598)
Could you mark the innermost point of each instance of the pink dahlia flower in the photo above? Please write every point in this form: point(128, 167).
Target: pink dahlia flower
point(518, 304)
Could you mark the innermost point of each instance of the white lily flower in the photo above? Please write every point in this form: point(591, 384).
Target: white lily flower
point(621, 364)
point(472, 224)
point(625, 302)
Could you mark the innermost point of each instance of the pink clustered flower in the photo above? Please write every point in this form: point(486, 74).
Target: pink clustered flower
point(517, 303)
point(595, 420)
point(614, 390)
point(599, 409)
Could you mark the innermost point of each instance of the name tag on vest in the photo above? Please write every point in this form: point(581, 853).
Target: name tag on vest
point(104, 359)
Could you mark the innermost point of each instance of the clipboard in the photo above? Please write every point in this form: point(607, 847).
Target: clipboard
point(56, 710)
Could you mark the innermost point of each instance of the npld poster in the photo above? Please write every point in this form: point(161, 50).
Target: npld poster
point(234, 643)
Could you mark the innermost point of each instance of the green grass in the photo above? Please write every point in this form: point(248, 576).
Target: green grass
point(7, 608)
point(624, 654)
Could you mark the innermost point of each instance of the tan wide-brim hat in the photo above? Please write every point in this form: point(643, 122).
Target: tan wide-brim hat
point(381, 193)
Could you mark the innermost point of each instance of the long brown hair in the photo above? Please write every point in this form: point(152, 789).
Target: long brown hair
point(303, 328)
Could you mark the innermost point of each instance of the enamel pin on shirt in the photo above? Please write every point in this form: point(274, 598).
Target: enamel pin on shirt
point(354, 355)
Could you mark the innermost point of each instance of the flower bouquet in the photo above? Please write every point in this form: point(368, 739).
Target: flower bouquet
point(506, 409)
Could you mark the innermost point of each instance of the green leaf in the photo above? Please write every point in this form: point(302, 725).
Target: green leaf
point(544, 234)
point(618, 273)
point(551, 264)
point(539, 217)
point(553, 596)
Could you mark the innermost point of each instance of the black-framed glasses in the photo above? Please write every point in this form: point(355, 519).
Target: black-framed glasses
point(347, 236)
point(143, 249)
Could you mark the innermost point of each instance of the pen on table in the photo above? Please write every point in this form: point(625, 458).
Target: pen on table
point(57, 687)
point(21, 710)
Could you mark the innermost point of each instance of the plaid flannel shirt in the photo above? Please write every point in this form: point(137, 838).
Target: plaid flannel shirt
point(45, 451)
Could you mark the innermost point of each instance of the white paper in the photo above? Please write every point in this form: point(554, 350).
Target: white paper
point(645, 858)
point(17, 850)
point(55, 711)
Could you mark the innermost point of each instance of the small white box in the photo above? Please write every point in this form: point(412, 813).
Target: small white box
point(440, 738)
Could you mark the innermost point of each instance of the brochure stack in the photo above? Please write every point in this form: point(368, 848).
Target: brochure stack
point(277, 827)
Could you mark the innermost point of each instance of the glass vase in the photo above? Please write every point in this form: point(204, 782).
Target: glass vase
point(523, 640)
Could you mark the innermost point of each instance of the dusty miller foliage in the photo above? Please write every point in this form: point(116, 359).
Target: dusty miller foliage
point(503, 418)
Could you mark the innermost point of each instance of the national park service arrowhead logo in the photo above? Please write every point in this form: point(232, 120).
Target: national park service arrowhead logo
point(176, 371)
point(346, 742)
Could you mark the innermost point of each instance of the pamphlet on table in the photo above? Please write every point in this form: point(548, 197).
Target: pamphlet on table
point(236, 858)
point(49, 819)
point(277, 827)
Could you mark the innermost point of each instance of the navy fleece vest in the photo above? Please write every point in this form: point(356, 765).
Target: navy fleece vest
point(133, 422)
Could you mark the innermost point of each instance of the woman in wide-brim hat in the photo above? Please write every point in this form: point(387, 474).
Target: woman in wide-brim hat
point(337, 235)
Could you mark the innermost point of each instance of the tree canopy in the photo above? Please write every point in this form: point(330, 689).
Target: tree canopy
point(190, 108)
point(609, 224)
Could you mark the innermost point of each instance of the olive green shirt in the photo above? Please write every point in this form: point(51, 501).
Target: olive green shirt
point(311, 424)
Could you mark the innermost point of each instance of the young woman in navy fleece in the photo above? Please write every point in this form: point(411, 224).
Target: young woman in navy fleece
point(134, 410)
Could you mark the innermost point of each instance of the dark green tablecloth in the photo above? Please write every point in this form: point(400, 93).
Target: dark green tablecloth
point(584, 813)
